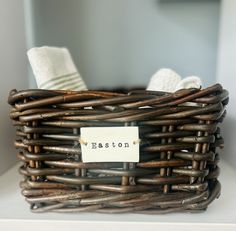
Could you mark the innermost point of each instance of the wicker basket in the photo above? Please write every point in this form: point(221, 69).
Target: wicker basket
point(178, 160)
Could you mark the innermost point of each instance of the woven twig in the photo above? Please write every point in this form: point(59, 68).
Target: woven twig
point(179, 135)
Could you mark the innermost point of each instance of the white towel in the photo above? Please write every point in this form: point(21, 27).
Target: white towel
point(54, 69)
point(189, 82)
point(168, 80)
point(164, 80)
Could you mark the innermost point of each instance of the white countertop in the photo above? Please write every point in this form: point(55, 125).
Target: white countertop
point(15, 213)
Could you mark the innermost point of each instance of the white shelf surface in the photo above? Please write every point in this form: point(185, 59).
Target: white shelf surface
point(15, 213)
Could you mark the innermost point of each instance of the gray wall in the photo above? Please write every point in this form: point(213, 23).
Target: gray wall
point(13, 72)
point(226, 75)
point(123, 42)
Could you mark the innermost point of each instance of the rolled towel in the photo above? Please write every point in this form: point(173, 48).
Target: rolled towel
point(164, 80)
point(54, 69)
point(189, 82)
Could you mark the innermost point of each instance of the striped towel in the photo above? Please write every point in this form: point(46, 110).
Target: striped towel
point(54, 69)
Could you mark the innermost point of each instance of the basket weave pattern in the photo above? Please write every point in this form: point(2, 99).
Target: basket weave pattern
point(179, 136)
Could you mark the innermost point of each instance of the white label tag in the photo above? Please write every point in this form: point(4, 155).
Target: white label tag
point(109, 144)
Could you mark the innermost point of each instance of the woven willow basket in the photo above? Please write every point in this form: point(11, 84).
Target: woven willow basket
point(179, 136)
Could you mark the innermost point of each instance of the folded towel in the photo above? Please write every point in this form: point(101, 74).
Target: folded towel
point(189, 82)
point(164, 80)
point(54, 69)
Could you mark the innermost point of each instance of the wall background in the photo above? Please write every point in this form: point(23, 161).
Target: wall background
point(226, 73)
point(13, 66)
point(116, 43)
